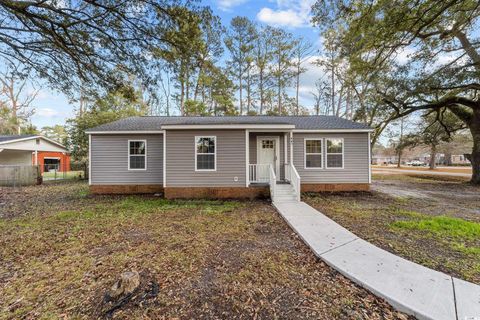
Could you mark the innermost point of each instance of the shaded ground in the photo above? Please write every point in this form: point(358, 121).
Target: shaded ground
point(61, 249)
point(434, 221)
point(459, 169)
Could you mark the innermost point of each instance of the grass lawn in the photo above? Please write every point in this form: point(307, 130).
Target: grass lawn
point(62, 175)
point(62, 249)
point(434, 221)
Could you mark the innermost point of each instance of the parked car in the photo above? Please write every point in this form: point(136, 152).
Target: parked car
point(415, 163)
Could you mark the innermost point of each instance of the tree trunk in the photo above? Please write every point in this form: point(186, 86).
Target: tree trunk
point(333, 89)
point(279, 79)
point(298, 86)
point(182, 97)
point(399, 154)
point(241, 88)
point(433, 156)
point(475, 158)
point(260, 87)
point(400, 144)
point(248, 91)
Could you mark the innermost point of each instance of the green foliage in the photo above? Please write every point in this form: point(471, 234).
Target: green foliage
point(56, 132)
point(443, 226)
point(195, 108)
point(125, 102)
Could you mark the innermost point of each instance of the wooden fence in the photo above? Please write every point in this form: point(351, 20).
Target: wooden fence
point(17, 176)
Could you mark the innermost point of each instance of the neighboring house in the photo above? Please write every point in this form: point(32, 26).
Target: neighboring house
point(53, 161)
point(27, 150)
point(229, 157)
point(460, 159)
point(384, 159)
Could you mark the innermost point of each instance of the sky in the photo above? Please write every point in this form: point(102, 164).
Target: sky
point(53, 108)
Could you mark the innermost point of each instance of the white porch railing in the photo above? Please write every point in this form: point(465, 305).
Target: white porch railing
point(272, 182)
point(259, 173)
point(291, 174)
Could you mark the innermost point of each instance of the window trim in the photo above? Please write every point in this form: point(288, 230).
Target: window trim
point(145, 155)
point(305, 154)
point(214, 154)
point(326, 153)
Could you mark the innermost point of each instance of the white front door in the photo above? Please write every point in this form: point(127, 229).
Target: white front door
point(268, 152)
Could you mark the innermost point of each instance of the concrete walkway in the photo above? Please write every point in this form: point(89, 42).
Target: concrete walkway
point(431, 173)
point(407, 286)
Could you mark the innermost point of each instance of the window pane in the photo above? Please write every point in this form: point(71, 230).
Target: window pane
point(313, 146)
point(334, 160)
point(137, 147)
point(205, 145)
point(205, 162)
point(137, 162)
point(267, 144)
point(334, 145)
point(313, 161)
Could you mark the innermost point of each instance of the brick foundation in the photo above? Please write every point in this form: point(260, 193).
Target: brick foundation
point(335, 187)
point(216, 192)
point(126, 189)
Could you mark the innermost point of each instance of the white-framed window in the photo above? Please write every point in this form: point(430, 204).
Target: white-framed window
point(334, 153)
point(205, 153)
point(313, 153)
point(137, 154)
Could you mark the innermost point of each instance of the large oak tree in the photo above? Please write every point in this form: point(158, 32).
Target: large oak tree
point(434, 46)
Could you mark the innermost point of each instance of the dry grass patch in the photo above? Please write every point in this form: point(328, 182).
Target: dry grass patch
point(432, 222)
point(60, 253)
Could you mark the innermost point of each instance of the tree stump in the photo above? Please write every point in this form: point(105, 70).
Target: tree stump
point(128, 282)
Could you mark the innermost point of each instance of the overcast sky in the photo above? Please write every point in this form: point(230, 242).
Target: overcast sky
point(294, 16)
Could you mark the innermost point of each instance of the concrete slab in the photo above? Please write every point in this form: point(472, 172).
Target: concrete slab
point(409, 287)
point(319, 232)
point(467, 296)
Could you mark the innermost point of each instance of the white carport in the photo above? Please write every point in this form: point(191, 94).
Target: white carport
point(18, 150)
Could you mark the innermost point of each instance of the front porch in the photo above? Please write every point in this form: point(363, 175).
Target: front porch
point(270, 162)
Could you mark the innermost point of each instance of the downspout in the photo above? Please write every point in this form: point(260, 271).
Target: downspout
point(164, 160)
point(369, 160)
point(89, 159)
point(247, 158)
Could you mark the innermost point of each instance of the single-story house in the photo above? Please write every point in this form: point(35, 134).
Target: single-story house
point(230, 156)
point(27, 150)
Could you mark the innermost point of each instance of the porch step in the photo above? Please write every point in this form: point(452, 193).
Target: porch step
point(285, 193)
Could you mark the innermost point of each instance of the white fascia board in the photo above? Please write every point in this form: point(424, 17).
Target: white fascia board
point(126, 132)
point(228, 126)
point(20, 139)
point(34, 137)
point(332, 130)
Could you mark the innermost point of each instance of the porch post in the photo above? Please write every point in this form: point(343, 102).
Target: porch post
point(36, 157)
point(291, 147)
point(285, 148)
point(247, 158)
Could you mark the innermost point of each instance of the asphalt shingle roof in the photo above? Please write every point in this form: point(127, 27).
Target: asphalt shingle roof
point(15, 137)
point(151, 123)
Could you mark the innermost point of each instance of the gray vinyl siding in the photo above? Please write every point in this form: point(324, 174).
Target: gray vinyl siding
point(230, 152)
point(253, 148)
point(356, 162)
point(109, 160)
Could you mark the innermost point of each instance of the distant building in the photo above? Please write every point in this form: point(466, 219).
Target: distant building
point(26, 150)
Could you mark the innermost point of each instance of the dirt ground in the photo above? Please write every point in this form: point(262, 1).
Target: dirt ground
point(61, 251)
point(438, 169)
point(434, 221)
